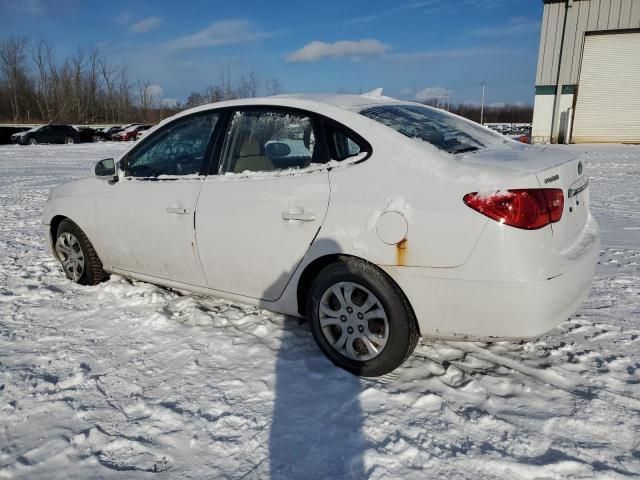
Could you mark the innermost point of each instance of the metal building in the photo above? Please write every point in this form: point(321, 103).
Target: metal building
point(588, 79)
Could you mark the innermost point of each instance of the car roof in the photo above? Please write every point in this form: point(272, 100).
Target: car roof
point(329, 104)
point(351, 102)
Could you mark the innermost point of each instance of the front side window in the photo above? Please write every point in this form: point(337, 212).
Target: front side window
point(178, 149)
point(445, 131)
point(268, 141)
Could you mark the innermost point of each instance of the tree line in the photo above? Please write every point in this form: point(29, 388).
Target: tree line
point(85, 88)
point(508, 113)
point(503, 113)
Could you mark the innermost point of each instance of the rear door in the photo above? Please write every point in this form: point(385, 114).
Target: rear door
point(258, 216)
point(44, 134)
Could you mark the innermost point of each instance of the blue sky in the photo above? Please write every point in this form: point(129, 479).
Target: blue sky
point(413, 49)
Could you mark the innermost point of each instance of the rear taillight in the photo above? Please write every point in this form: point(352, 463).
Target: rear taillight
point(529, 208)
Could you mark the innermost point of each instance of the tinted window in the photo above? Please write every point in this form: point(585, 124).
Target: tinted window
point(178, 149)
point(264, 141)
point(440, 129)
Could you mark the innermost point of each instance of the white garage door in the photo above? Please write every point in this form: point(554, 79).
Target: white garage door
point(608, 103)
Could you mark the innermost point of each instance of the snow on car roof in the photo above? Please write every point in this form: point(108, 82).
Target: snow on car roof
point(312, 101)
point(346, 101)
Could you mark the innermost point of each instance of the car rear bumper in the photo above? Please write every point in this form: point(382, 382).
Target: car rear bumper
point(458, 308)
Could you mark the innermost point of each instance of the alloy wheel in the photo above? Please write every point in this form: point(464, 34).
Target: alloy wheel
point(353, 321)
point(70, 254)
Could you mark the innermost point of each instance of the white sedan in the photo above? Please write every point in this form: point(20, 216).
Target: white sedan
point(379, 220)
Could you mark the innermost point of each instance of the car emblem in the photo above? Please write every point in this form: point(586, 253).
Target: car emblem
point(579, 168)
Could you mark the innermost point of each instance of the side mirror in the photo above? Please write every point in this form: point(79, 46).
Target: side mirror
point(276, 150)
point(105, 168)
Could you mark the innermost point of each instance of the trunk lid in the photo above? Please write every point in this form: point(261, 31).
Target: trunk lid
point(554, 167)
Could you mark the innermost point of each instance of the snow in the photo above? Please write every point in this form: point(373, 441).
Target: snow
point(126, 378)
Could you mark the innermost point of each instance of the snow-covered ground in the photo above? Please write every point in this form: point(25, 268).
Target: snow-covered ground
point(130, 380)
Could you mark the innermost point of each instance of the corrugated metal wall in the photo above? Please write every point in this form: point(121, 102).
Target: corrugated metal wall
point(584, 16)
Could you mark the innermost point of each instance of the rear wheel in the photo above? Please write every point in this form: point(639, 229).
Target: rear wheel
point(33, 141)
point(79, 260)
point(68, 140)
point(360, 318)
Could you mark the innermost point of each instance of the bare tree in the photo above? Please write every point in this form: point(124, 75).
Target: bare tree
point(85, 87)
point(42, 54)
point(273, 86)
point(12, 65)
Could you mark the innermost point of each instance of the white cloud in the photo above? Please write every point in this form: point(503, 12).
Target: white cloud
point(225, 32)
point(154, 91)
point(497, 105)
point(431, 93)
point(354, 49)
point(169, 102)
point(516, 26)
point(145, 25)
point(406, 92)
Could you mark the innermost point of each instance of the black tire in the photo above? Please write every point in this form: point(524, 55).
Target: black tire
point(69, 141)
point(403, 334)
point(33, 141)
point(93, 272)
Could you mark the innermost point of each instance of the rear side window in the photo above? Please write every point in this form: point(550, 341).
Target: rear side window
point(344, 145)
point(444, 131)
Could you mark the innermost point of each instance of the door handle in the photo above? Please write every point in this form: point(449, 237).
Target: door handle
point(178, 210)
point(298, 213)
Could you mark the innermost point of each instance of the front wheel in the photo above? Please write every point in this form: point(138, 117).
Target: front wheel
point(68, 140)
point(79, 260)
point(360, 319)
point(33, 141)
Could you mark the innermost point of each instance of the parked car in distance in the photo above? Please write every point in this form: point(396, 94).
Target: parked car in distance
point(106, 134)
point(128, 134)
point(7, 132)
point(379, 220)
point(142, 131)
point(51, 133)
point(85, 134)
point(525, 138)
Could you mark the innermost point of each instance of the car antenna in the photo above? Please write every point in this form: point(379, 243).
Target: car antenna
point(376, 92)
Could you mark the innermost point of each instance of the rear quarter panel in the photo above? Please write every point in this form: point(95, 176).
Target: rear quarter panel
point(418, 181)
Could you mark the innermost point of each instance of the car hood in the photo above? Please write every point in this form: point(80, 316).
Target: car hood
point(84, 187)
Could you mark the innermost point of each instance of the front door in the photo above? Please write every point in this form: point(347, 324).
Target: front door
point(146, 220)
point(257, 218)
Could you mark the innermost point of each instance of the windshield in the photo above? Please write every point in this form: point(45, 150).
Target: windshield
point(445, 131)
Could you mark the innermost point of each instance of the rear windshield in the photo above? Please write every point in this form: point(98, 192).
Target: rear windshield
point(448, 133)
